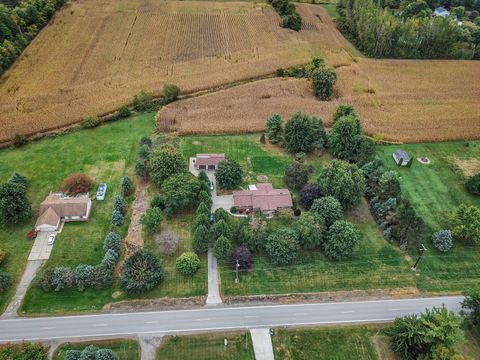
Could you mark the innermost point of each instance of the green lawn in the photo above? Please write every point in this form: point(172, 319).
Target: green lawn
point(207, 347)
point(312, 272)
point(106, 153)
point(340, 343)
point(124, 349)
point(436, 190)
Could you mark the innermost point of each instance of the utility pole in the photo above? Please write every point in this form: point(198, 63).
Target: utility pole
point(422, 251)
point(237, 280)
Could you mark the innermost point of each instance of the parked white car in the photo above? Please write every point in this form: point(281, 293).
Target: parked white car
point(51, 239)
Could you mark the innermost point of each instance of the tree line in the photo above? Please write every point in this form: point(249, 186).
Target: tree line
point(383, 33)
point(19, 24)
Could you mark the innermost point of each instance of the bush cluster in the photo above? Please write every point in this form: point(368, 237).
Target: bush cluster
point(90, 122)
point(24, 351)
point(91, 353)
point(290, 17)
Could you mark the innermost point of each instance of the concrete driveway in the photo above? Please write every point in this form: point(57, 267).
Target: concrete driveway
point(223, 201)
point(40, 249)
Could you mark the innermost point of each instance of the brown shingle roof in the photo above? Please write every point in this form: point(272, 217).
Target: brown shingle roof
point(66, 206)
point(209, 159)
point(48, 217)
point(264, 198)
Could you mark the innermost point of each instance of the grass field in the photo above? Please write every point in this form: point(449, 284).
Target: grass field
point(348, 342)
point(68, 73)
point(124, 349)
point(312, 272)
point(207, 347)
point(342, 343)
point(436, 190)
point(106, 153)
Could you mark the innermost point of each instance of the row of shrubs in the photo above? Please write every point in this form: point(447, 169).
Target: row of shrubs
point(91, 353)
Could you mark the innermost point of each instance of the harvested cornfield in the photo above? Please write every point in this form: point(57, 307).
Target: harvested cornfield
point(401, 100)
point(95, 55)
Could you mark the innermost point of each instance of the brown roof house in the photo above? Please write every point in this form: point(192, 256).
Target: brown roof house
point(58, 208)
point(262, 197)
point(208, 161)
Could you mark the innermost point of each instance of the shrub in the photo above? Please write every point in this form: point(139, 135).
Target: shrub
point(329, 208)
point(308, 194)
point(282, 246)
point(63, 278)
point(471, 309)
point(103, 278)
point(443, 240)
point(77, 183)
point(221, 214)
point(84, 275)
point(144, 151)
point(117, 218)
point(45, 280)
point(473, 184)
point(170, 93)
point(141, 273)
point(343, 181)
point(244, 258)
point(466, 224)
point(233, 210)
point(145, 140)
point(310, 230)
point(15, 208)
point(343, 110)
point(110, 260)
point(389, 185)
point(19, 140)
point(229, 174)
point(292, 21)
point(127, 186)
point(19, 180)
point(3, 255)
point(167, 242)
point(222, 248)
point(201, 239)
point(143, 101)
point(5, 281)
point(90, 122)
point(206, 198)
point(112, 242)
point(124, 112)
point(120, 204)
point(280, 72)
point(31, 234)
point(165, 162)
point(296, 175)
point(187, 264)
point(158, 201)
point(342, 237)
point(220, 228)
point(323, 80)
point(274, 130)
point(73, 355)
point(152, 219)
point(406, 224)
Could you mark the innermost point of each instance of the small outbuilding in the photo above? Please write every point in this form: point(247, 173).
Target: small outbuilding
point(208, 161)
point(441, 11)
point(401, 158)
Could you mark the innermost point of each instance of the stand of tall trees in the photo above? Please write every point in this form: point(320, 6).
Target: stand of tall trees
point(379, 33)
point(20, 24)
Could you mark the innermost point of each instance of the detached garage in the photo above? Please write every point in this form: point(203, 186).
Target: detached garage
point(208, 161)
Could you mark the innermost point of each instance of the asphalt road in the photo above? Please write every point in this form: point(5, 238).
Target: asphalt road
point(209, 319)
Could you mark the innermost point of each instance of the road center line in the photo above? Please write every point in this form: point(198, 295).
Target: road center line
point(348, 312)
point(300, 314)
point(152, 322)
point(99, 325)
point(202, 319)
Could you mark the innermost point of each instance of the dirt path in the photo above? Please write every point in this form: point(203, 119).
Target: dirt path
point(134, 240)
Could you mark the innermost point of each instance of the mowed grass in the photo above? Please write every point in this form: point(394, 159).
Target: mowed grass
point(106, 153)
point(436, 190)
point(342, 343)
point(207, 347)
point(124, 349)
point(312, 272)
